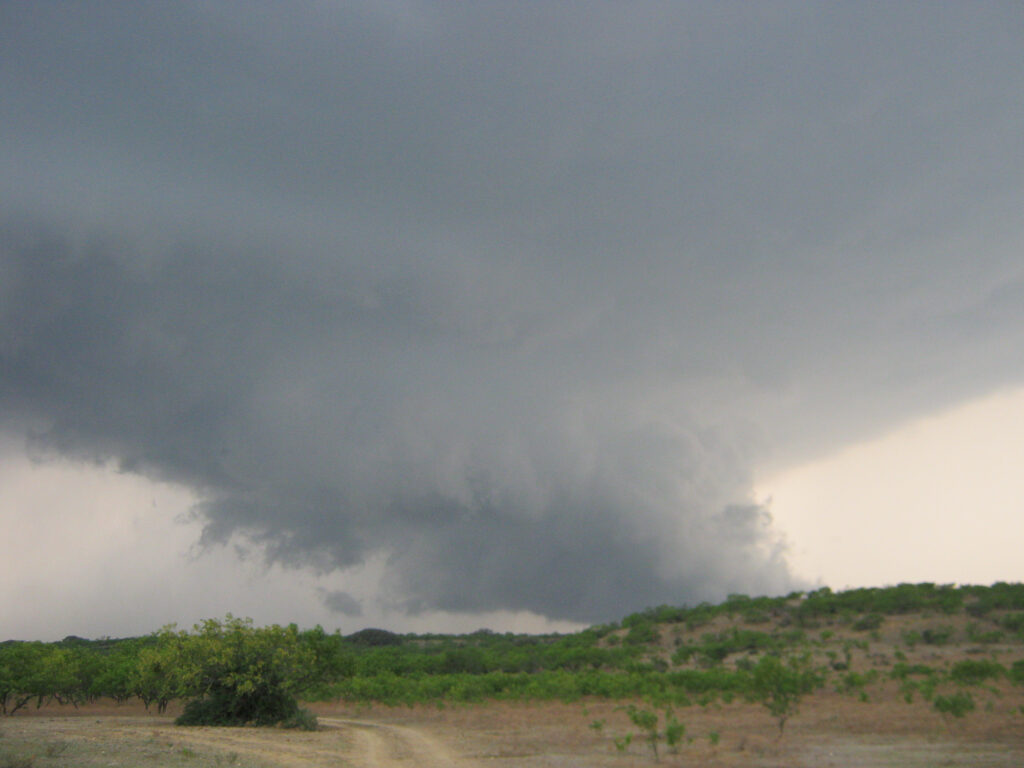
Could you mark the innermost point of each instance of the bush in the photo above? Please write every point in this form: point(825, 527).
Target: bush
point(936, 635)
point(976, 671)
point(1013, 622)
point(641, 633)
point(957, 705)
point(868, 622)
point(911, 638)
point(1016, 673)
point(235, 674)
point(232, 709)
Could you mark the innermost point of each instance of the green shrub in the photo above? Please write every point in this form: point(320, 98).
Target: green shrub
point(1016, 673)
point(674, 731)
point(976, 671)
point(868, 622)
point(912, 638)
point(901, 670)
point(988, 638)
point(646, 721)
point(856, 681)
point(641, 633)
point(227, 708)
point(936, 635)
point(1013, 622)
point(957, 705)
point(978, 609)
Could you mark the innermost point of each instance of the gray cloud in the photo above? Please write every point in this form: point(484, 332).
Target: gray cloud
point(341, 602)
point(518, 297)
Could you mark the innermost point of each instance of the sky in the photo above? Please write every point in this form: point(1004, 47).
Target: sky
point(437, 316)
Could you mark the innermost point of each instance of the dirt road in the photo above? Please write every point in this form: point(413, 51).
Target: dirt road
point(378, 745)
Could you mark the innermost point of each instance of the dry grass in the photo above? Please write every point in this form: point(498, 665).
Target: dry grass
point(830, 730)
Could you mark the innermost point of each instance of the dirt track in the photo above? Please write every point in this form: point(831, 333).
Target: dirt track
point(82, 740)
point(384, 746)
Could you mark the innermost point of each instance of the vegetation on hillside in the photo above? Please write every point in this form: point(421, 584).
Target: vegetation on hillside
point(924, 640)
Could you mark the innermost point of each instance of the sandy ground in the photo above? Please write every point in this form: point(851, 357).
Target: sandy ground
point(830, 730)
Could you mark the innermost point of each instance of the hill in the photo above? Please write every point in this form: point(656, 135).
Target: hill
point(911, 640)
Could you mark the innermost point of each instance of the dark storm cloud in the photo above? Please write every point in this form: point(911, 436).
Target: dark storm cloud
point(517, 296)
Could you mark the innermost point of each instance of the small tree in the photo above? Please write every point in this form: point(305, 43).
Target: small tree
point(957, 705)
point(647, 722)
point(157, 674)
point(19, 668)
point(779, 686)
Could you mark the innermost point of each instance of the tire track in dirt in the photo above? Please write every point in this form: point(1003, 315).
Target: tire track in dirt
point(395, 746)
point(265, 745)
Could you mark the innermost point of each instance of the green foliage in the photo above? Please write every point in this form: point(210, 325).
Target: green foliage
point(235, 674)
point(228, 708)
point(19, 663)
point(901, 670)
point(856, 681)
point(936, 635)
point(217, 667)
point(999, 596)
point(903, 598)
point(868, 622)
point(1016, 673)
point(674, 731)
point(44, 673)
point(958, 705)
point(779, 685)
point(1013, 622)
point(976, 671)
point(641, 633)
point(716, 647)
point(915, 678)
point(977, 635)
point(648, 722)
point(156, 678)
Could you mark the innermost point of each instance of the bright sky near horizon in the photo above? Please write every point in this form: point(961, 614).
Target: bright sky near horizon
point(436, 316)
point(940, 499)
